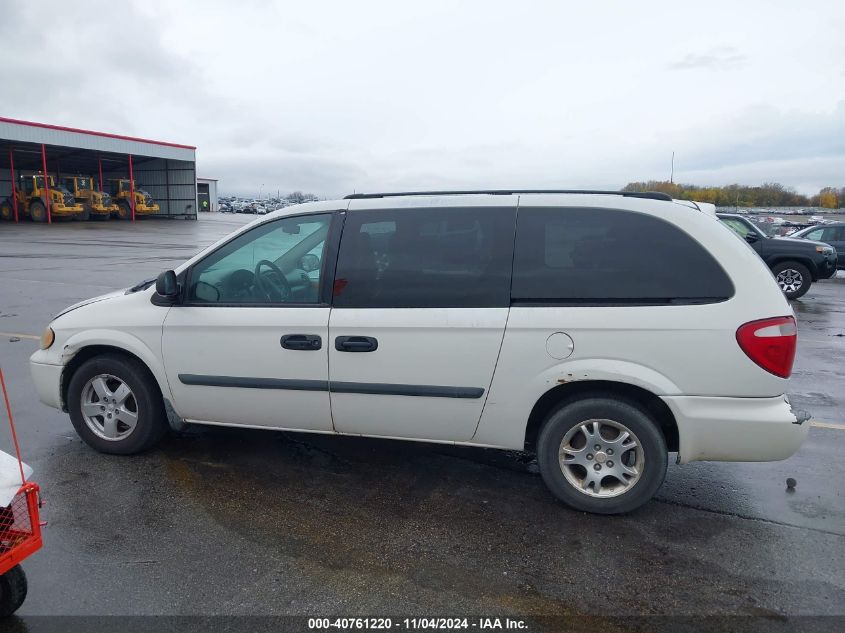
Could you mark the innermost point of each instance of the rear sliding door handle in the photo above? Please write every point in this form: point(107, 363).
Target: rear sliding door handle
point(355, 344)
point(302, 342)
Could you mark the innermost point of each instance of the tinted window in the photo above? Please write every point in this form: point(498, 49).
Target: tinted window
point(607, 255)
point(277, 262)
point(832, 234)
point(814, 235)
point(425, 258)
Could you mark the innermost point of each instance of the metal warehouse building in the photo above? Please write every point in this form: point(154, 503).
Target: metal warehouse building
point(167, 171)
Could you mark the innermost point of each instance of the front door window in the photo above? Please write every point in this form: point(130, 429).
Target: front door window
point(278, 262)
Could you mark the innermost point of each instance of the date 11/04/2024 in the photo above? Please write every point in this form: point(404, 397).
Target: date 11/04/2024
point(422, 623)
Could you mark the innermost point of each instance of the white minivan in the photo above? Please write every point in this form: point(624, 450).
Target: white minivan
point(601, 330)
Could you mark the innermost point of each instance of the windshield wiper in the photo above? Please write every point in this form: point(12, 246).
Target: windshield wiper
point(141, 286)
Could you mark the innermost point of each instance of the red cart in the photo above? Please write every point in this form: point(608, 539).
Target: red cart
point(20, 526)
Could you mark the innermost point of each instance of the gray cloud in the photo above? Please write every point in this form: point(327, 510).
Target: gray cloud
point(374, 94)
point(718, 58)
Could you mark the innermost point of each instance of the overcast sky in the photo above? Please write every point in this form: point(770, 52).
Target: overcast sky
point(333, 97)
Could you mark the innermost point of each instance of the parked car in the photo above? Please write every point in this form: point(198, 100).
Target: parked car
point(521, 321)
point(832, 233)
point(795, 263)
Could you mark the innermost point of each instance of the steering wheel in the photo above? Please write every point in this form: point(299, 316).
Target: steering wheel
point(274, 285)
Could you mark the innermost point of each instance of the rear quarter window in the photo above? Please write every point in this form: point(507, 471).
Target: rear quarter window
point(587, 256)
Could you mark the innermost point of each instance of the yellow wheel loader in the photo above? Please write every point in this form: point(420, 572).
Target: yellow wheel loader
point(32, 200)
point(121, 193)
point(97, 204)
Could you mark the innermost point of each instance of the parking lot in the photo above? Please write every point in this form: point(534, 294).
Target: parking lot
point(219, 521)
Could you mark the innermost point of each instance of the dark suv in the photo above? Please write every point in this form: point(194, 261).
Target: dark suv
point(795, 263)
point(832, 233)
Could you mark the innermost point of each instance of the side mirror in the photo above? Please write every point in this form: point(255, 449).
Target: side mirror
point(166, 284)
point(751, 237)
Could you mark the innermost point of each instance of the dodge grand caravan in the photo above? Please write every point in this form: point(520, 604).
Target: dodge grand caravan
point(600, 330)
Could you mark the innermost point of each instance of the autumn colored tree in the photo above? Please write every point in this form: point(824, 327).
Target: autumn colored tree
point(770, 194)
point(827, 198)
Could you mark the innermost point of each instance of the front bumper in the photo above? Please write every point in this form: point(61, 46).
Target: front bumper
point(142, 209)
point(737, 429)
point(62, 210)
point(48, 381)
point(828, 268)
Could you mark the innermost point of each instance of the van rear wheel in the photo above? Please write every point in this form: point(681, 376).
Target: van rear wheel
point(602, 454)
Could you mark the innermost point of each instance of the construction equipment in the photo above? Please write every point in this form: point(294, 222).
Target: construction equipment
point(96, 204)
point(121, 193)
point(32, 200)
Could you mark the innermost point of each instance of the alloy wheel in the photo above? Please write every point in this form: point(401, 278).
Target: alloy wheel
point(601, 458)
point(109, 407)
point(790, 280)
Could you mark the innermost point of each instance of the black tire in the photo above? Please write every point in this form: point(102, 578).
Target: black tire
point(7, 211)
point(124, 210)
point(787, 274)
point(37, 211)
point(13, 588)
point(602, 406)
point(151, 422)
point(85, 215)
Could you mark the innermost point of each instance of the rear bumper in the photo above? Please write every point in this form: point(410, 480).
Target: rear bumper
point(737, 429)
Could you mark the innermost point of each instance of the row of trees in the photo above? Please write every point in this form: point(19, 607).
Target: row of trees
point(297, 197)
point(770, 194)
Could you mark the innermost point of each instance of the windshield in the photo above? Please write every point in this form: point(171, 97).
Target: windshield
point(40, 181)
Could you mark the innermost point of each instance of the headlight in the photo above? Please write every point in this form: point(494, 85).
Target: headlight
point(827, 250)
point(47, 338)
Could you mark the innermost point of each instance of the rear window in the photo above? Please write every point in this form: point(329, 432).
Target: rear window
point(609, 256)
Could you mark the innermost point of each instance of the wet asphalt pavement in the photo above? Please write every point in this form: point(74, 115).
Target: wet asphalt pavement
point(218, 521)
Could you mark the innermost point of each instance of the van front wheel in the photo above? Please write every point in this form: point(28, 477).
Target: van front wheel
point(115, 405)
point(601, 454)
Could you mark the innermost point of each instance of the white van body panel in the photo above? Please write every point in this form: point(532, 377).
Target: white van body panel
point(687, 355)
point(128, 322)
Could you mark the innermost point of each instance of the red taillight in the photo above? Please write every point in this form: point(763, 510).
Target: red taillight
point(770, 343)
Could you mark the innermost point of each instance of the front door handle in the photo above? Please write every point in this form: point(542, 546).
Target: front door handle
point(302, 342)
point(355, 344)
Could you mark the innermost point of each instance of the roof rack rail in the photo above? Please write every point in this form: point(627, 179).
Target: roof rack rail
point(651, 195)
